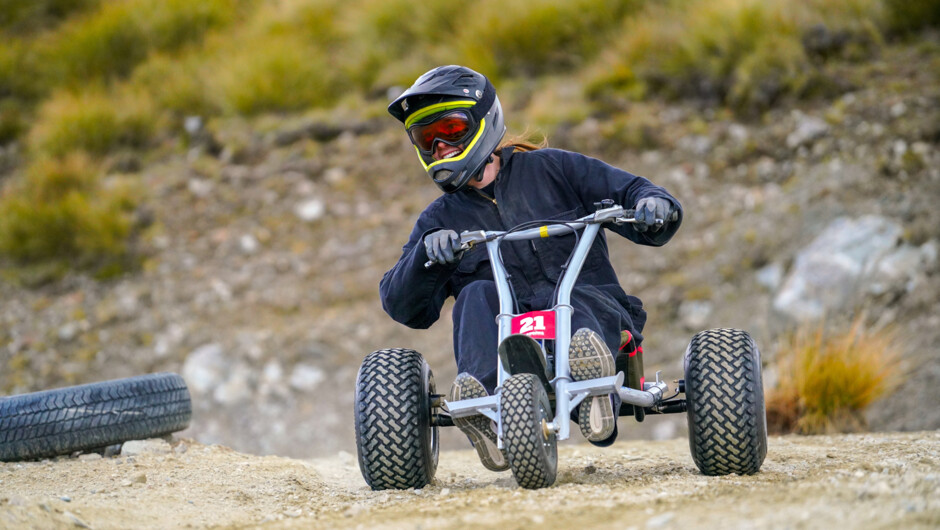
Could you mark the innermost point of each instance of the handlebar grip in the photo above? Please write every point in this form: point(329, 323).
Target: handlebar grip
point(673, 217)
point(460, 252)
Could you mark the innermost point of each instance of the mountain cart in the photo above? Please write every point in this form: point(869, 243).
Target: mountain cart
point(398, 410)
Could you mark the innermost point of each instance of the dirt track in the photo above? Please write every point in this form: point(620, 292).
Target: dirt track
point(860, 481)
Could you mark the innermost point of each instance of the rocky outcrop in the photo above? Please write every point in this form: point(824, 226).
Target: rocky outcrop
point(850, 259)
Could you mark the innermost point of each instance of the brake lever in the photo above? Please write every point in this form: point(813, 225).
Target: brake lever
point(631, 220)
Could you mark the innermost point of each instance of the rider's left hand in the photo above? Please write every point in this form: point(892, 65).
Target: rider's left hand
point(648, 210)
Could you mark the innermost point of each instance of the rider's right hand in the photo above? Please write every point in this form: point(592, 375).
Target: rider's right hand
point(442, 246)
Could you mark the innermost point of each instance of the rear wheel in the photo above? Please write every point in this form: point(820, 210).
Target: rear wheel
point(725, 397)
point(397, 445)
point(531, 445)
point(92, 416)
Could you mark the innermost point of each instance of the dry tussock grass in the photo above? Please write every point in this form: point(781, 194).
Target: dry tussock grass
point(829, 377)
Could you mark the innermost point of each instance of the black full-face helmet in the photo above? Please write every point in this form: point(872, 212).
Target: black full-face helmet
point(458, 94)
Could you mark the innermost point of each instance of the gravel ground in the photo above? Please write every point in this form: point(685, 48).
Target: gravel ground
point(855, 481)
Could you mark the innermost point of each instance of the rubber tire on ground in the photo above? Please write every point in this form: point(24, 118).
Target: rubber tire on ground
point(397, 445)
point(725, 398)
point(92, 416)
point(533, 457)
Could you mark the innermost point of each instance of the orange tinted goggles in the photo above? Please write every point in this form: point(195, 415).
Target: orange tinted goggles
point(451, 129)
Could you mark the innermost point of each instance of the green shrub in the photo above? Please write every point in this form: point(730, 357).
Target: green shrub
point(176, 85)
point(399, 27)
point(113, 40)
point(695, 51)
point(635, 129)
point(775, 67)
point(907, 16)
point(12, 121)
point(171, 24)
point(392, 42)
point(29, 16)
point(103, 44)
point(320, 21)
point(527, 37)
point(58, 212)
point(551, 102)
point(94, 121)
point(51, 180)
point(19, 74)
point(746, 53)
point(277, 73)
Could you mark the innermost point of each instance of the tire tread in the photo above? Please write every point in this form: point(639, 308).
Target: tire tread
point(522, 432)
point(727, 426)
point(65, 420)
point(388, 423)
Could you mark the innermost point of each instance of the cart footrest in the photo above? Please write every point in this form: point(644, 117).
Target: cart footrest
point(520, 354)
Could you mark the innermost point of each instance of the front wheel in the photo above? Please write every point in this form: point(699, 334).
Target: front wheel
point(725, 397)
point(397, 445)
point(531, 444)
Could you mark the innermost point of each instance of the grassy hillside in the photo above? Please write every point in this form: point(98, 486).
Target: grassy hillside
point(92, 80)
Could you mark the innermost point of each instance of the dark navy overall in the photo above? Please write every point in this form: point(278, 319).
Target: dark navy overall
point(547, 184)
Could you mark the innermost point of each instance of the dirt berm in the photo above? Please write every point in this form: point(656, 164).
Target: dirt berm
point(848, 481)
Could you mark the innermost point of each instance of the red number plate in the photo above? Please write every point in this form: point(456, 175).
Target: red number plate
point(536, 324)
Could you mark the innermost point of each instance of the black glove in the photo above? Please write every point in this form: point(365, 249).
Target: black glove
point(648, 210)
point(442, 246)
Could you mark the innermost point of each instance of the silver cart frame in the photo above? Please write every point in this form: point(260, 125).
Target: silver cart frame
point(568, 393)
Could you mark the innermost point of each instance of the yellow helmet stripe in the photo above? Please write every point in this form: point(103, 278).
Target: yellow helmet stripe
point(466, 150)
point(438, 107)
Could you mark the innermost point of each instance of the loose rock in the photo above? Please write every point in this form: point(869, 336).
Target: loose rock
point(826, 272)
point(306, 377)
point(205, 368)
point(808, 129)
point(311, 210)
point(153, 446)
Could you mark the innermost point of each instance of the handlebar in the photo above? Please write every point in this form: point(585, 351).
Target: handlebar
point(609, 214)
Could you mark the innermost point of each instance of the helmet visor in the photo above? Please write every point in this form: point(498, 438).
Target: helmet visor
point(451, 128)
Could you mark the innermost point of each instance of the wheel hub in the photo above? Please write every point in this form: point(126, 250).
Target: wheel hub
point(547, 430)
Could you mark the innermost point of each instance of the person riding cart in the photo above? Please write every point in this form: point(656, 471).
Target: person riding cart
point(454, 120)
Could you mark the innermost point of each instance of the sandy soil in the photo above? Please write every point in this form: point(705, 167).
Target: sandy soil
point(854, 481)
